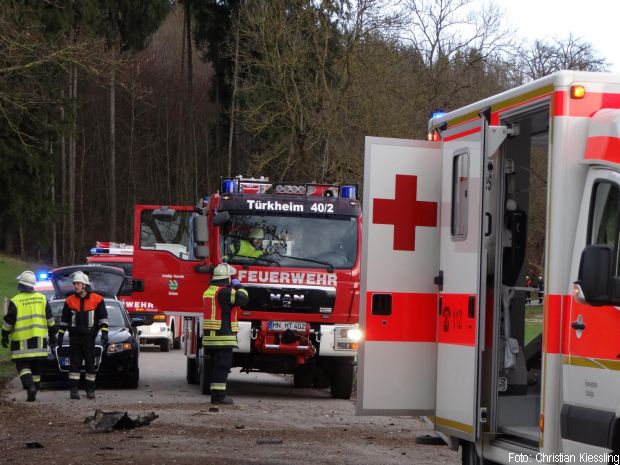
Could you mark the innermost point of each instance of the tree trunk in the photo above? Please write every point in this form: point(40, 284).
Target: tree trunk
point(113, 212)
point(234, 101)
point(72, 166)
point(63, 179)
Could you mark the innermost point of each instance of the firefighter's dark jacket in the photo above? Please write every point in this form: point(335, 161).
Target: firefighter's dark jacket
point(84, 315)
point(28, 323)
point(221, 302)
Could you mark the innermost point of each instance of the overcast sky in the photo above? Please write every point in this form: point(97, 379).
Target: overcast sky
point(596, 21)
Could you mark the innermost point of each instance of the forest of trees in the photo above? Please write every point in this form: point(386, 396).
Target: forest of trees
point(108, 103)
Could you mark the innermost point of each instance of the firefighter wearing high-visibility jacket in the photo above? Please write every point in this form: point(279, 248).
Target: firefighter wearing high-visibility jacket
point(29, 329)
point(221, 301)
point(84, 315)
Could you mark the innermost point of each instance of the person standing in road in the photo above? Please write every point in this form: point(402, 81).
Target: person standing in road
point(29, 328)
point(84, 315)
point(221, 301)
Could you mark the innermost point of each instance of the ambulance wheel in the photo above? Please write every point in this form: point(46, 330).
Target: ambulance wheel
point(191, 374)
point(470, 455)
point(302, 379)
point(205, 379)
point(342, 382)
point(164, 345)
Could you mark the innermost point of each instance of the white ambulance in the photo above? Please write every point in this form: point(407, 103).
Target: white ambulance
point(450, 226)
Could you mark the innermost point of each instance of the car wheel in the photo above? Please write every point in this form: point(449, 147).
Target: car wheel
point(164, 345)
point(133, 379)
point(342, 382)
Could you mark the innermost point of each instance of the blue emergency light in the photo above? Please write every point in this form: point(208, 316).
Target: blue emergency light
point(98, 250)
point(43, 276)
point(229, 186)
point(348, 192)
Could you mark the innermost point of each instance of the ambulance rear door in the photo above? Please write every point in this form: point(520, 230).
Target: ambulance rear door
point(398, 304)
point(465, 229)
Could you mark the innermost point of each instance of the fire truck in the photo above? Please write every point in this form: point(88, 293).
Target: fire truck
point(159, 329)
point(451, 226)
point(303, 282)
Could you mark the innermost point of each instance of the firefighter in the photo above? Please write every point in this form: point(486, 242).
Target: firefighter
point(84, 315)
point(30, 329)
point(252, 247)
point(221, 302)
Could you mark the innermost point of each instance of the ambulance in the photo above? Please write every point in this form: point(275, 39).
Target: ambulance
point(452, 226)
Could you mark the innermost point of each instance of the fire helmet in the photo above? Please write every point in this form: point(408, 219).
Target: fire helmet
point(27, 278)
point(80, 277)
point(223, 271)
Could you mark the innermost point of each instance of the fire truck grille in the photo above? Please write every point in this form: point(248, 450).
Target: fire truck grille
point(291, 300)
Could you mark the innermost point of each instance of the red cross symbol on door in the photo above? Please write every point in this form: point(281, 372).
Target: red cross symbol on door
point(405, 212)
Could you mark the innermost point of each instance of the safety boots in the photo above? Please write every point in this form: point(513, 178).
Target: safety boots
point(74, 393)
point(90, 393)
point(32, 393)
point(222, 400)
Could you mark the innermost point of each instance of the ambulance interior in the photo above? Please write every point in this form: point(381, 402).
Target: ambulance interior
point(519, 246)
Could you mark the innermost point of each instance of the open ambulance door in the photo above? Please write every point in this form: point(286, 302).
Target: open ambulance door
point(163, 261)
point(400, 253)
point(465, 230)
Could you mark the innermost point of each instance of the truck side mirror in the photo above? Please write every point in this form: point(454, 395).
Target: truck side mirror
point(201, 231)
point(221, 218)
point(201, 251)
point(595, 275)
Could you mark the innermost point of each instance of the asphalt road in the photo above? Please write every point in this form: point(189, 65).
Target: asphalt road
point(271, 423)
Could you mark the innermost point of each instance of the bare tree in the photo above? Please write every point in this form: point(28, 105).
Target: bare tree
point(547, 56)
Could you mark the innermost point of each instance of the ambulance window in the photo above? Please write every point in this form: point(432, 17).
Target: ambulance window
point(460, 189)
point(382, 304)
point(604, 214)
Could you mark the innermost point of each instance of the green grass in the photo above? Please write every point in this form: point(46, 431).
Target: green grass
point(533, 322)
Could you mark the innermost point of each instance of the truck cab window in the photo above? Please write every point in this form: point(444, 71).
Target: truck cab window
point(605, 216)
point(170, 234)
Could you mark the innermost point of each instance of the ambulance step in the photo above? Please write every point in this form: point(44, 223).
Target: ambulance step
point(529, 433)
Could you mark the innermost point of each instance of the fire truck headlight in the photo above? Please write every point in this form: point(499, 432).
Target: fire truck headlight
point(354, 334)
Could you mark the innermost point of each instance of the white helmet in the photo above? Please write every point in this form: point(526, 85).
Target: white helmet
point(223, 271)
point(257, 233)
point(27, 278)
point(79, 277)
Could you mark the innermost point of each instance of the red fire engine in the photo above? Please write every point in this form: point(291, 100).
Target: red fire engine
point(303, 281)
point(160, 329)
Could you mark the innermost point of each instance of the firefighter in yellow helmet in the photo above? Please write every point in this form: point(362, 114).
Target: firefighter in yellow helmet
point(252, 247)
point(30, 329)
point(84, 315)
point(220, 327)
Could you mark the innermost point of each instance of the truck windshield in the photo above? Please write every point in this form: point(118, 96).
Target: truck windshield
point(289, 241)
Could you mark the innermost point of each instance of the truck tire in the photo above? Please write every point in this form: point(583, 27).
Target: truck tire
point(321, 380)
point(133, 379)
point(205, 379)
point(164, 345)
point(177, 343)
point(303, 379)
point(191, 374)
point(342, 382)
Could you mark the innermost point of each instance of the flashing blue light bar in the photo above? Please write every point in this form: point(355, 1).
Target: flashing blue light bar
point(348, 192)
point(98, 250)
point(438, 114)
point(229, 186)
point(43, 276)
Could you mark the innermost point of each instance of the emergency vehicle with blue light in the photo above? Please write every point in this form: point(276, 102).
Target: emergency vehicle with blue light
point(302, 277)
point(158, 328)
point(450, 226)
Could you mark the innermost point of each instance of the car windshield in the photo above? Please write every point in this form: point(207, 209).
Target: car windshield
point(290, 241)
point(115, 312)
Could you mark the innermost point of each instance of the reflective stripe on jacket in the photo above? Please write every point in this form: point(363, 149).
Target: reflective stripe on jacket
point(30, 325)
point(220, 324)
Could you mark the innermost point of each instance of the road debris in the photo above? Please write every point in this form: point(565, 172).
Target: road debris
point(107, 421)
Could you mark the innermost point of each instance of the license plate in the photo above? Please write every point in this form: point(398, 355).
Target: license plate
point(284, 325)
